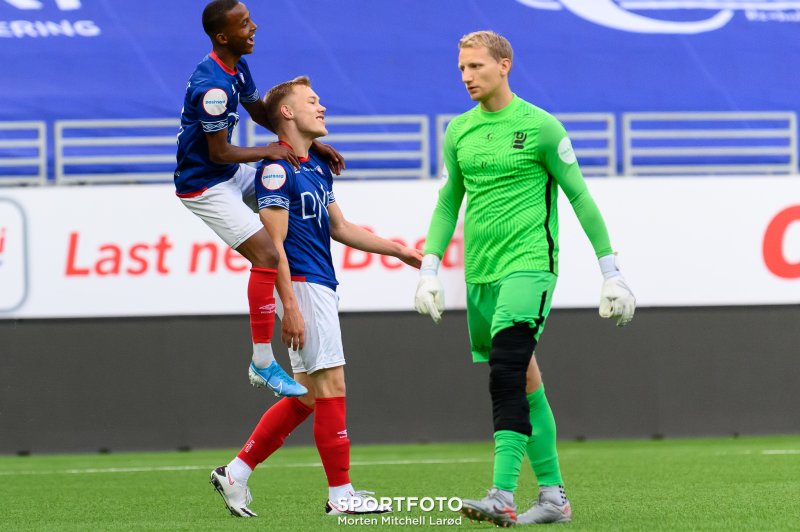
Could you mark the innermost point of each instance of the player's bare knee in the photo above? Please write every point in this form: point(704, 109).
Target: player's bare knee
point(512, 349)
point(533, 377)
point(329, 382)
point(260, 250)
point(309, 399)
point(265, 257)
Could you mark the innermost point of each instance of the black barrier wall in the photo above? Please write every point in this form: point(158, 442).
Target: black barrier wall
point(170, 383)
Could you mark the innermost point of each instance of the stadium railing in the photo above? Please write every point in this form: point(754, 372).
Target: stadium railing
point(104, 151)
point(374, 146)
point(115, 151)
point(709, 143)
point(23, 153)
point(593, 137)
point(398, 146)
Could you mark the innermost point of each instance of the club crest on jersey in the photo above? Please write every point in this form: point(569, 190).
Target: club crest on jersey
point(519, 140)
point(273, 177)
point(215, 101)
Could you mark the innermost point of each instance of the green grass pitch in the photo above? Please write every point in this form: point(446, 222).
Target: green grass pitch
point(748, 483)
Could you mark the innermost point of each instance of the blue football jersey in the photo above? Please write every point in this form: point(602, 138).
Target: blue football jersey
point(211, 104)
point(306, 194)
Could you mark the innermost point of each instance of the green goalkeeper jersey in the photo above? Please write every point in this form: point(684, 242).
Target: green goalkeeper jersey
point(510, 164)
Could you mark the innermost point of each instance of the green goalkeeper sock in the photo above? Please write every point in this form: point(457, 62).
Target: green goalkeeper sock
point(542, 444)
point(509, 451)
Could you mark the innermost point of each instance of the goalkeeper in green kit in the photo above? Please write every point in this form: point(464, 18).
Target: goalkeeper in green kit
point(510, 158)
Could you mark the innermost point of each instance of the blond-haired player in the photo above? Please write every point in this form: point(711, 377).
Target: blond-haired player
point(509, 158)
point(299, 209)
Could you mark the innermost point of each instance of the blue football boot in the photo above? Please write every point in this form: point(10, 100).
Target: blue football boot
point(277, 380)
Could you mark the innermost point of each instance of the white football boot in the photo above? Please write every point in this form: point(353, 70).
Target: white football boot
point(235, 494)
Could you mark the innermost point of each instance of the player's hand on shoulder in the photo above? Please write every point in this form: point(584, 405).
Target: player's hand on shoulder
point(429, 298)
point(334, 158)
point(616, 298)
point(280, 152)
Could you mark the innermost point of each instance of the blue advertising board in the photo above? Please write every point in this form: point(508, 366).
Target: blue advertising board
point(87, 59)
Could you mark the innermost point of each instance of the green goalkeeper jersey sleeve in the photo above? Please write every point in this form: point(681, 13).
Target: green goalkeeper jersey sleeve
point(510, 164)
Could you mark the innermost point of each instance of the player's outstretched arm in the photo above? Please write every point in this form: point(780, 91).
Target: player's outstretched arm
point(357, 237)
point(258, 112)
point(220, 151)
point(276, 220)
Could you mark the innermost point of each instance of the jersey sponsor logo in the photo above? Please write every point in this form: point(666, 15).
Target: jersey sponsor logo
point(629, 15)
point(565, 151)
point(274, 177)
point(215, 101)
point(313, 205)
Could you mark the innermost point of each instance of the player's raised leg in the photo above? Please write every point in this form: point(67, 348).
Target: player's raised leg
point(222, 208)
point(264, 371)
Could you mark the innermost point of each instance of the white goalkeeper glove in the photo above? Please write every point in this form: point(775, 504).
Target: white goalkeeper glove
point(429, 298)
point(616, 299)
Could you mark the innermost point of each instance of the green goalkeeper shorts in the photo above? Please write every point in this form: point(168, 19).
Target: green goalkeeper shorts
point(521, 297)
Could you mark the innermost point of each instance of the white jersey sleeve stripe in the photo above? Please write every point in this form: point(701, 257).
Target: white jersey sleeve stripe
point(211, 127)
point(273, 201)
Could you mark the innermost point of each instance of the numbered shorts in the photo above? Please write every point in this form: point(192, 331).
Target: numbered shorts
point(229, 208)
point(319, 306)
point(521, 297)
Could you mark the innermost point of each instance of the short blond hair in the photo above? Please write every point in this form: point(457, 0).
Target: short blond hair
point(277, 94)
point(497, 45)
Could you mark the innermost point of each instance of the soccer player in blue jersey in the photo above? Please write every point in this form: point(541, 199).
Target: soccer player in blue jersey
point(212, 181)
point(299, 209)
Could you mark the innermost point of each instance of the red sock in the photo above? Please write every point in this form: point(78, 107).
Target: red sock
point(276, 423)
point(261, 296)
point(330, 435)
